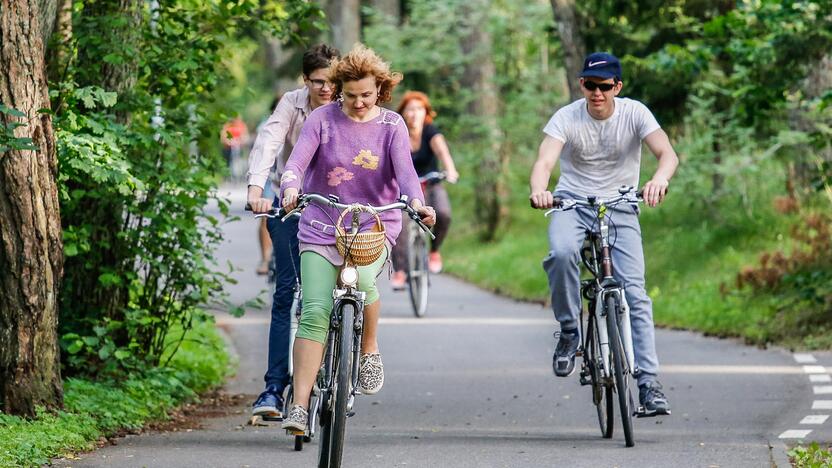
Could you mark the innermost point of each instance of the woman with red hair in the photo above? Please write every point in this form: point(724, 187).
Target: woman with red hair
point(427, 148)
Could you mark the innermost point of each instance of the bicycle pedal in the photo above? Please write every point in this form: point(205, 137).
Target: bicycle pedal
point(272, 418)
point(295, 432)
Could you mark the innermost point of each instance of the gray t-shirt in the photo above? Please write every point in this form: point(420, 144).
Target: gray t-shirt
point(599, 156)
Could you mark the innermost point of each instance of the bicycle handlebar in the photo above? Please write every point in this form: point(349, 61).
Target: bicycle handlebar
point(305, 199)
point(433, 176)
point(627, 195)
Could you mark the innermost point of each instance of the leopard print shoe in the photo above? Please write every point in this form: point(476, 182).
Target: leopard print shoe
point(296, 420)
point(370, 373)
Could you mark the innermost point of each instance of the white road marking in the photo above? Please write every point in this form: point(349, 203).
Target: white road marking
point(727, 369)
point(822, 389)
point(803, 358)
point(815, 419)
point(795, 434)
point(814, 369)
point(412, 321)
point(822, 405)
point(820, 378)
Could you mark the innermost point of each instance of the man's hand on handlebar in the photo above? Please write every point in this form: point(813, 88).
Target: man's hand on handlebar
point(654, 191)
point(260, 205)
point(542, 200)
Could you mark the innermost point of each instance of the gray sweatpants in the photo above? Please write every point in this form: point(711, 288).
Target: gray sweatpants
point(562, 265)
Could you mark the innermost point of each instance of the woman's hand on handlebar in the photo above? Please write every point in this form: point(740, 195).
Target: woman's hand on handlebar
point(426, 213)
point(452, 176)
point(542, 200)
point(290, 199)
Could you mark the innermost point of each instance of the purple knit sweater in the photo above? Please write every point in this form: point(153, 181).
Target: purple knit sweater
point(360, 162)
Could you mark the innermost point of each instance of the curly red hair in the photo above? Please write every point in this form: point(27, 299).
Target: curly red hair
point(421, 97)
point(360, 63)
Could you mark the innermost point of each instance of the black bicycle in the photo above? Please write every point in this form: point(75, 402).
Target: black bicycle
point(337, 385)
point(607, 350)
point(418, 275)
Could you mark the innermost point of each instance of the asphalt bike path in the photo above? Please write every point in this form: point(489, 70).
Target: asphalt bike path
point(471, 385)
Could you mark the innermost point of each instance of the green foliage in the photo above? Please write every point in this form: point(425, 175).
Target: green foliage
point(8, 141)
point(135, 185)
point(813, 456)
point(102, 408)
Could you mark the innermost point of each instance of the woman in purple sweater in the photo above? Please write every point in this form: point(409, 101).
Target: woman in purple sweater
point(360, 152)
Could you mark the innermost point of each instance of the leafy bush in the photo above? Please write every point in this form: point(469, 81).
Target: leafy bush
point(813, 456)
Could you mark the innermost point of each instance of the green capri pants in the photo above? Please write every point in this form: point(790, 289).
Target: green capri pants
point(319, 279)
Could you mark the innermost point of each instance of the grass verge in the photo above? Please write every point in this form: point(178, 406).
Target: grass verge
point(95, 409)
point(812, 456)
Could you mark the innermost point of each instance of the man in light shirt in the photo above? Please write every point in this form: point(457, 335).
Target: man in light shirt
point(598, 141)
point(274, 144)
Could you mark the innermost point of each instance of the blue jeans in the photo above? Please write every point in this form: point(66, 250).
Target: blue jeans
point(562, 265)
point(284, 236)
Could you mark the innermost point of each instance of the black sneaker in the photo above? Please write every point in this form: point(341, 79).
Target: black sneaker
point(653, 402)
point(269, 404)
point(563, 361)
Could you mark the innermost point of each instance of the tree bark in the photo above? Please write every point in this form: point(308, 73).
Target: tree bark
point(484, 105)
point(572, 43)
point(344, 23)
point(31, 252)
point(389, 9)
point(59, 54)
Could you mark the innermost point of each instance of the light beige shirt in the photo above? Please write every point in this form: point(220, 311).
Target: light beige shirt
point(278, 136)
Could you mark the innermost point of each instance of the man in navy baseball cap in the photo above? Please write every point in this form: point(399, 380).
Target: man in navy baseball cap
point(598, 140)
point(602, 65)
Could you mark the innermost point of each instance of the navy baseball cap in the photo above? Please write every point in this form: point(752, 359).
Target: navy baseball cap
point(601, 65)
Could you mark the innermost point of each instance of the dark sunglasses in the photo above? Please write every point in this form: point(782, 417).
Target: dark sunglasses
point(592, 86)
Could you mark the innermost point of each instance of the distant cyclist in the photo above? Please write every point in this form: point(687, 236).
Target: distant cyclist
point(358, 151)
point(598, 141)
point(427, 148)
point(275, 141)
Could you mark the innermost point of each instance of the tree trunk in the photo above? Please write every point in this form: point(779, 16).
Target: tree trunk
point(47, 10)
point(574, 49)
point(344, 23)
point(483, 106)
point(58, 55)
point(389, 9)
point(31, 252)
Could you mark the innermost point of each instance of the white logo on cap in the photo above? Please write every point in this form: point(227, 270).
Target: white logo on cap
point(592, 64)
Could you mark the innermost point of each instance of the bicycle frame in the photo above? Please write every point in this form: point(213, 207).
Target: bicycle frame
point(603, 284)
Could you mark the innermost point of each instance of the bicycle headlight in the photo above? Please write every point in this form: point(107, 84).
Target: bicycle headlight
point(349, 276)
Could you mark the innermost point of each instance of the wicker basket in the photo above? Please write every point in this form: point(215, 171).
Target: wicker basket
point(364, 247)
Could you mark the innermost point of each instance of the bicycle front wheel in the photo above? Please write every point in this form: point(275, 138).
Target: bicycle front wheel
point(343, 381)
point(418, 275)
point(601, 388)
point(622, 375)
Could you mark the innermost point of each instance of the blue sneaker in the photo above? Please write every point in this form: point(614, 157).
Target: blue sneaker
point(269, 404)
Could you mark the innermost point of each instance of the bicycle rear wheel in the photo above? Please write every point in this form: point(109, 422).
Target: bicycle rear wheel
point(343, 381)
point(601, 390)
point(418, 275)
point(622, 375)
